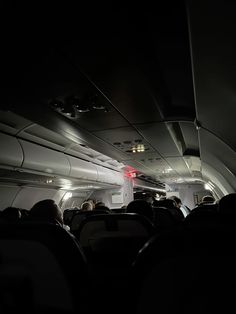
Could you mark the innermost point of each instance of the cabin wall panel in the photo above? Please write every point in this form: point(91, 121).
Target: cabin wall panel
point(7, 195)
point(28, 196)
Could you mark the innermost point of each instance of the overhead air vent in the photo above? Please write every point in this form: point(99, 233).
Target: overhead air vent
point(73, 106)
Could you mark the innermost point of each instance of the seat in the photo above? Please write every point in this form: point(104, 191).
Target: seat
point(186, 271)
point(170, 205)
point(164, 219)
point(204, 215)
point(42, 270)
point(111, 243)
point(79, 216)
point(118, 236)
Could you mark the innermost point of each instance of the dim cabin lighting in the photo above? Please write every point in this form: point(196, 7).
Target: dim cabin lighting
point(208, 187)
point(67, 196)
point(138, 148)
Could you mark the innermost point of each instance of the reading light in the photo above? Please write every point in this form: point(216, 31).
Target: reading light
point(98, 107)
point(140, 148)
point(82, 108)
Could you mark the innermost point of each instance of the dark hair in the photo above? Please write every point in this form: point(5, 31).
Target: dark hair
point(140, 207)
point(11, 214)
point(167, 202)
point(227, 204)
point(176, 198)
point(46, 210)
point(208, 199)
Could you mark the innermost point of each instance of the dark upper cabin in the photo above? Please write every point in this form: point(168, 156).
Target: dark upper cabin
point(144, 90)
point(108, 104)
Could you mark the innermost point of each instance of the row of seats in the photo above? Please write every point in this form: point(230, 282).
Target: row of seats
point(186, 271)
point(116, 255)
point(42, 270)
point(189, 269)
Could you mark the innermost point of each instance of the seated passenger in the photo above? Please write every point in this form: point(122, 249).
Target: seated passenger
point(92, 201)
point(101, 206)
point(140, 207)
point(177, 200)
point(185, 210)
point(86, 206)
point(171, 205)
point(227, 205)
point(46, 211)
point(11, 214)
point(207, 199)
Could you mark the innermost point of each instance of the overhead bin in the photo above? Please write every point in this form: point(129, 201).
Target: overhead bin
point(27, 155)
point(109, 176)
point(82, 169)
point(42, 159)
point(11, 151)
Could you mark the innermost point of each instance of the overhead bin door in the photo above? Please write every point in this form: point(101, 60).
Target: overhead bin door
point(109, 176)
point(11, 152)
point(42, 159)
point(82, 169)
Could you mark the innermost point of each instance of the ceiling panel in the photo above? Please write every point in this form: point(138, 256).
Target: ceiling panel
point(190, 135)
point(214, 50)
point(159, 137)
point(178, 164)
point(124, 139)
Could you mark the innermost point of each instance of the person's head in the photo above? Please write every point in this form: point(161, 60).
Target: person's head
point(227, 204)
point(86, 206)
point(99, 205)
point(177, 200)
point(167, 202)
point(46, 210)
point(140, 207)
point(11, 214)
point(92, 202)
point(207, 199)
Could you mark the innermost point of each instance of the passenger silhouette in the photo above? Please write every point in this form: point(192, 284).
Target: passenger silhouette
point(171, 205)
point(185, 210)
point(227, 205)
point(140, 207)
point(207, 199)
point(46, 211)
point(11, 214)
point(86, 206)
point(177, 200)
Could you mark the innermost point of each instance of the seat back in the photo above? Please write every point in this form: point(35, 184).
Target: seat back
point(204, 215)
point(116, 237)
point(81, 215)
point(44, 263)
point(187, 271)
point(164, 219)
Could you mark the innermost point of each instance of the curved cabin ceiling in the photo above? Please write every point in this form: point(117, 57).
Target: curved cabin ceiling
point(161, 77)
